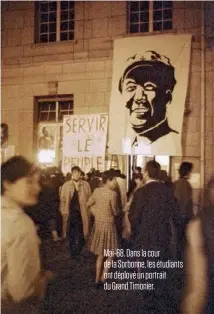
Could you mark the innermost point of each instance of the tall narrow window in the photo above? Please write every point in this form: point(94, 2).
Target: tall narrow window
point(50, 112)
point(66, 20)
point(54, 21)
point(162, 15)
point(138, 16)
point(149, 16)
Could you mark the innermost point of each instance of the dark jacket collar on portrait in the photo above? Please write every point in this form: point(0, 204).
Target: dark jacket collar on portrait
point(156, 132)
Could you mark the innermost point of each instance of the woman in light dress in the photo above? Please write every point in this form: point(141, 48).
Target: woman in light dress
point(104, 235)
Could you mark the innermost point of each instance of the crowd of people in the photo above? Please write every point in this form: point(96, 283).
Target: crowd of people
point(96, 211)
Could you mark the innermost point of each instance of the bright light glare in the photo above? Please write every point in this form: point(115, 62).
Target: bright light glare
point(46, 156)
point(163, 160)
point(140, 160)
point(126, 145)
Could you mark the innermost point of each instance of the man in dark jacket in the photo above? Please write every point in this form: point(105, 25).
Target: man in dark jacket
point(151, 215)
point(132, 183)
point(183, 193)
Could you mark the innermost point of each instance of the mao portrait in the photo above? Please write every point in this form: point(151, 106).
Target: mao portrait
point(146, 87)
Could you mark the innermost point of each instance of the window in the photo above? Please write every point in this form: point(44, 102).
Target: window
point(162, 15)
point(54, 110)
point(65, 108)
point(149, 16)
point(49, 133)
point(54, 21)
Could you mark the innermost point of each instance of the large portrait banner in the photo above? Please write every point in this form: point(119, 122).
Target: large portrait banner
point(149, 87)
point(84, 141)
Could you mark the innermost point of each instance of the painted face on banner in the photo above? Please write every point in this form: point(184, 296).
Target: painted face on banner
point(145, 98)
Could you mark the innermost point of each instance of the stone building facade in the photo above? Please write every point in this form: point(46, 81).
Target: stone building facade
point(82, 67)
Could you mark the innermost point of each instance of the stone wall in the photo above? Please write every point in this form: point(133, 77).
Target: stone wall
point(83, 67)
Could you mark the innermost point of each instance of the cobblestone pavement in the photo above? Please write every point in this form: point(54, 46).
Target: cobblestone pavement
point(73, 289)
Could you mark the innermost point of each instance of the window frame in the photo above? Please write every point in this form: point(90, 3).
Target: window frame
point(151, 19)
point(56, 99)
point(37, 24)
point(57, 122)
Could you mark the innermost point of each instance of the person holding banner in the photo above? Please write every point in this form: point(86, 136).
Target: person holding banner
point(138, 180)
point(104, 234)
point(74, 196)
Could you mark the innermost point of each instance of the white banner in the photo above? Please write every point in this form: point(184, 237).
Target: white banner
point(149, 86)
point(84, 141)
